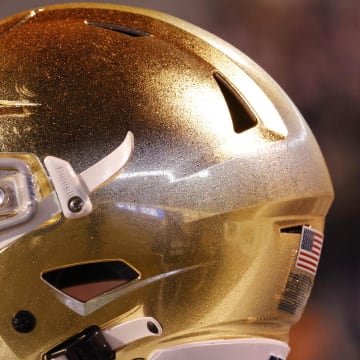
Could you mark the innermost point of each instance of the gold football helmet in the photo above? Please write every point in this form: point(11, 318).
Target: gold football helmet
point(160, 195)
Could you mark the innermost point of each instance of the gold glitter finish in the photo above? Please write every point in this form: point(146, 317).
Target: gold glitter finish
point(199, 209)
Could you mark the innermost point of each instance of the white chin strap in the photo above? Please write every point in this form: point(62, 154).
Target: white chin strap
point(117, 337)
point(236, 349)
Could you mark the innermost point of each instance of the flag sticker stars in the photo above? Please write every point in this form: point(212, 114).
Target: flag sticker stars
point(310, 250)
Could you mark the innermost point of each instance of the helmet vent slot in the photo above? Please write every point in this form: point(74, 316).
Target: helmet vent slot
point(87, 281)
point(242, 116)
point(123, 29)
point(292, 229)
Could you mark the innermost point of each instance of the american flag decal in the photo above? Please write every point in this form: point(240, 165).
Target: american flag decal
point(309, 250)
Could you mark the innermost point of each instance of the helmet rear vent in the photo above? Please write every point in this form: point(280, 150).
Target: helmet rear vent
point(242, 116)
point(292, 229)
point(85, 282)
point(123, 29)
point(297, 229)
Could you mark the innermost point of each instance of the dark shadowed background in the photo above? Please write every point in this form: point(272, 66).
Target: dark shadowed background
point(312, 48)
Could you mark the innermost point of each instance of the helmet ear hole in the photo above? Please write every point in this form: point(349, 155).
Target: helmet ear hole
point(242, 117)
point(85, 282)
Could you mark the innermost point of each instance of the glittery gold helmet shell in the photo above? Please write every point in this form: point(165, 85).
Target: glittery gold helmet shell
point(193, 230)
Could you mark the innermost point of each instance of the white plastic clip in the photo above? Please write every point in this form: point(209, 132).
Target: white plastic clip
point(126, 333)
point(73, 190)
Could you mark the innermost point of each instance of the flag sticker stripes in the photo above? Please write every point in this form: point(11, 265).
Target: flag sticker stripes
point(309, 250)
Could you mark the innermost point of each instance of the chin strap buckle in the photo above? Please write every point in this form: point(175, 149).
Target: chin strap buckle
point(89, 344)
point(96, 344)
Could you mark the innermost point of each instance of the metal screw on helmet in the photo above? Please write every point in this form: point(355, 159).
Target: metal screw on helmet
point(24, 321)
point(76, 204)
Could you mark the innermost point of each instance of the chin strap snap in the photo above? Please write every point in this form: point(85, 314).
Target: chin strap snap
point(96, 344)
